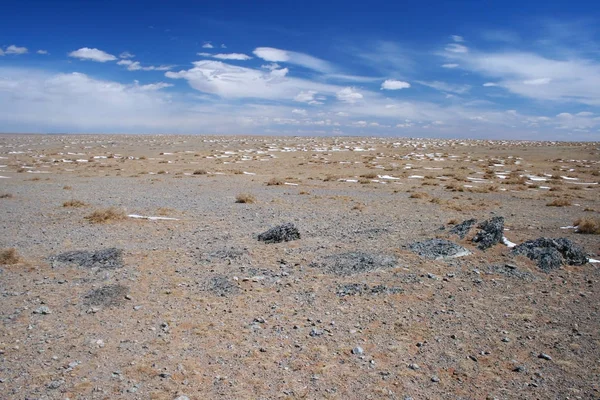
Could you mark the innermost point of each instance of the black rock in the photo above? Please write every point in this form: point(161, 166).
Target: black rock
point(552, 253)
point(491, 233)
point(463, 228)
point(109, 295)
point(437, 249)
point(106, 258)
point(281, 233)
point(355, 263)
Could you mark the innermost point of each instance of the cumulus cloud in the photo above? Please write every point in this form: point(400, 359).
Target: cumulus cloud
point(299, 111)
point(392, 84)
point(85, 53)
point(457, 38)
point(232, 81)
point(44, 52)
point(449, 65)
point(126, 54)
point(307, 97)
point(457, 48)
point(349, 95)
point(12, 49)
point(304, 60)
point(207, 45)
point(490, 84)
point(137, 66)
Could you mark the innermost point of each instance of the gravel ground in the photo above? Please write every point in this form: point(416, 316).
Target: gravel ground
point(197, 306)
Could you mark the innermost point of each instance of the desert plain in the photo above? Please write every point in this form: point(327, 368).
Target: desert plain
point(131, 268)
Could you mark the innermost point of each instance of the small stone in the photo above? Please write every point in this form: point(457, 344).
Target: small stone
point(316, 332)
point(435, 379)
point(506, 340)
point(44, 310)
point(519, 368)
point(358, 350)
point(545, 356)
point(55, 384)
point(414, 366)
point(137, 308)
point(182, 398)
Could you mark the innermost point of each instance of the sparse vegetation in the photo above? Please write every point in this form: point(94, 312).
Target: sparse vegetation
point(9, 256)
point(74, 203)
point(359, 207)
point(6, 196)
point(418, 195)
point(67, 187)
point(105, 215)
point(559, 203)
point(588, 225)
point(200, 172)
point(369, 175)
point(162, 171)
point(245, 198)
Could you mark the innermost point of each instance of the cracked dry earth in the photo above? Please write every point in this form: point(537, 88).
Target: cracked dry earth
point(196, 307)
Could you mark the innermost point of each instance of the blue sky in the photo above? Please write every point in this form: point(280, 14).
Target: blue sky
point(513, 70)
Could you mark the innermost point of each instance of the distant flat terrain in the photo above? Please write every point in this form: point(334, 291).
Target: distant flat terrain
point(131, 268)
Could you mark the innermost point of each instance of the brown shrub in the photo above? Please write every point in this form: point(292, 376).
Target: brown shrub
point(74, 203)
point(245, 198)
point(358, 207)
point(275, 182)
point(67, 187)
point(559, 203)
point(369, 175)
point(588, 225)
point(9, 256)
point(453, 221)
point(200, 172)
point(6, 196)
point(162, 171)
point(418, 195)
point(105, 215)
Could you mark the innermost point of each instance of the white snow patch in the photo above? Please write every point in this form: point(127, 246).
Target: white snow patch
point(568, 178)
point(416, 177)
point(151, 218)
point(387, 177)
point(507, 242)
point(593, 260)
point(248, 173)
point(290, 184)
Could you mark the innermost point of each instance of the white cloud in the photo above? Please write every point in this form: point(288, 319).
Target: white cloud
point(457, 38)
point(490, 84)
point(307, 97)
point(568, 79)
point(207, 45)
point(449, 65)
point(85, 53)
point(223, 46)
point(349, 95)
point(392, 84)
point(44, 52)
point(227, 56)
point(446, 87)
point(538, 81)
point(457, 48)
point(12, 49)
point(1, 52)
point(136, 66)
point(271, 66)
point(126, 54)
point(304, 60)
point(299, 111)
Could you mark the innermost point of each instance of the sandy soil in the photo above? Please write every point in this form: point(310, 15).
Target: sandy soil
point(196, 306)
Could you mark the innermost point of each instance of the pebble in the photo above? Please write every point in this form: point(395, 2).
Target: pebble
point(414, 366)
point(435, 379)
point(358, 350)
point(182, 398)
point(44, 310)
point(545, 356)
point(316, 332)
point(55, 384)
point(506, 340)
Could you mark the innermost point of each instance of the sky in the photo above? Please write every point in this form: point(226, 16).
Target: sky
point(464, 69)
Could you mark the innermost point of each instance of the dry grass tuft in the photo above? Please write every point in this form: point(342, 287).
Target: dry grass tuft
point(9, 256)
point(330, 178)
point(200, 172)
point(359, 207)
point(105, 215)
point(245, 198)
point(67, 187)
point(369, 175)
point(588, 225)
point(418, 195)
point(74, 203)
point(453, 221)
point(275, 182)
point(6, 196)
point(559, 203)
